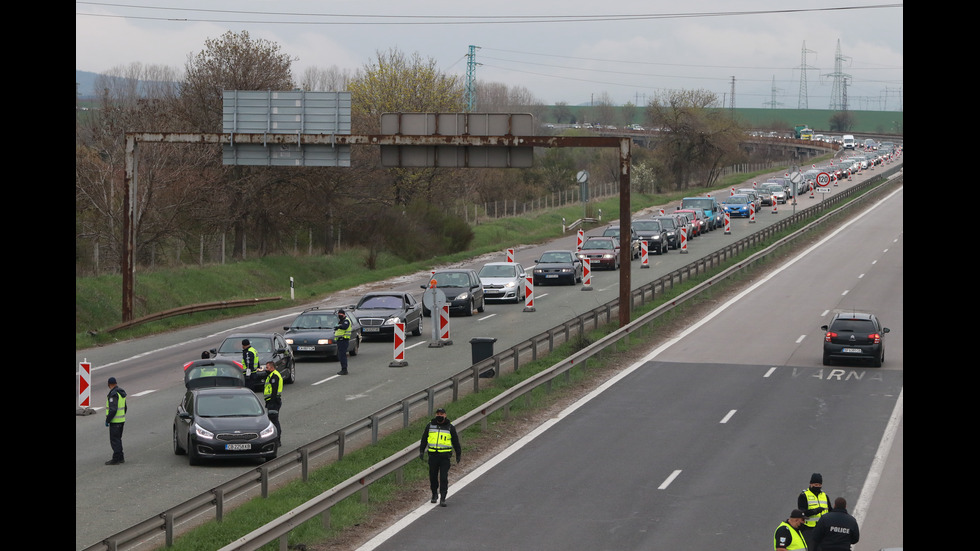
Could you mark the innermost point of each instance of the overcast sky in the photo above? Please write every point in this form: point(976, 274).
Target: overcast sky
point(560, 50)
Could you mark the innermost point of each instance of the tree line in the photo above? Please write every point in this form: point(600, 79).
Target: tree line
point(187, 201)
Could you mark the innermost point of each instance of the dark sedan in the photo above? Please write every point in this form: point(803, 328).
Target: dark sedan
point(269, 347)
point(378, 312)
point(854, 336)
point(654, 233)
point(602, 252)
point(557, 267)
point(223, 422)
point(463, 290)
point(311, 334)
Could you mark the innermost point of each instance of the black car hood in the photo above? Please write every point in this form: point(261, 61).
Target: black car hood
point(308, 336)
point(233, 424)
point(379, 312)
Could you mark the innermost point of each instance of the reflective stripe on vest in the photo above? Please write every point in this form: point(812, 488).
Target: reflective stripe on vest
point(255, 358)
point(440, 439)
point(267, 391)
point(812, 502)
point(120, 416)
point(798, 541)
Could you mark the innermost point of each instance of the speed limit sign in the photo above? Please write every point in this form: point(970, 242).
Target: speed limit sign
point(823, 179)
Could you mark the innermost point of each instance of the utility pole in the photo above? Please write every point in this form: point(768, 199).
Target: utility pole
point(803, 68)
point(772, 103)
point(471, 65)
point(837, 93)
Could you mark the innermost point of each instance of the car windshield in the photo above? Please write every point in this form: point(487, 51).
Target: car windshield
point(668, 223)
point(598, 244)
point(234, 344)
point(738, 200)
point(611, 232)
point(315, 321)
point(646, 225)
point(229, 405)
point(556, 257)
point(499, 270)
point(386, 302)
point(451, 279)
point(696, 203)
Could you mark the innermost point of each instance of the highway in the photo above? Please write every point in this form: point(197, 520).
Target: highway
point(706, 442)
point(154, 479)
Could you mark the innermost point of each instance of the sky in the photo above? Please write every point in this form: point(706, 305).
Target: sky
point(568, 51)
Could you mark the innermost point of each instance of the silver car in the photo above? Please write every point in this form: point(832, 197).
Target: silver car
point(503, 281)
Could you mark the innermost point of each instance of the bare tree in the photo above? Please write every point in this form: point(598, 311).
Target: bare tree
point(332, 79)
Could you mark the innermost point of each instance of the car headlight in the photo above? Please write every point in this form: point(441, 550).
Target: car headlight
point(566, 270)
point(203, 433)
point(608, 256)
point(268, 431)
point(323, 341)
point(510, 285)
point(394, 320)
point(289, 341)
point(462, 296)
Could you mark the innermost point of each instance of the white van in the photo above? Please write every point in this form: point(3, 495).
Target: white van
point(848, 141)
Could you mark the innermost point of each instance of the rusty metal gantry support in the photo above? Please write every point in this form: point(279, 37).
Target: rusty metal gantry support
point(623, 143)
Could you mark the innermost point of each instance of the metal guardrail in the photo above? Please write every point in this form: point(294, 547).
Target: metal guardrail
point(400, 415)
point(191, 309)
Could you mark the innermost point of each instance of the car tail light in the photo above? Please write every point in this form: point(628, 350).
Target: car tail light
point(830, 335)
point(875, 337)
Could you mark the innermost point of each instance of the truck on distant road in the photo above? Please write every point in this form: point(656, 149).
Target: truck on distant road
point(802, 132)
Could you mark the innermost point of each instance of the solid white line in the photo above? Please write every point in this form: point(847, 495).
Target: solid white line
point(727, 417)
point(325, 380)
point(144, 393)
point(411, 517)
point(799, 340)
point(770, 372)
point(878, 463)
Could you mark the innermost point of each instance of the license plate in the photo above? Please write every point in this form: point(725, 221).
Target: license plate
point(237, 447)
point(306, 348)
point(370, 329)
point(551, 275)
point(851, 350)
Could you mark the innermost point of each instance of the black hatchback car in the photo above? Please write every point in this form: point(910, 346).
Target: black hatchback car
point(219, 417)
point(854, 336)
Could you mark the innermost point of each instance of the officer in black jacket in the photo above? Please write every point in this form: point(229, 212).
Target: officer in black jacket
point(440, 440)
point(836, 530)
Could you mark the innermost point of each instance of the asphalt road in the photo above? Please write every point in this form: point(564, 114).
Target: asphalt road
point(707, 441)
point(154, 479)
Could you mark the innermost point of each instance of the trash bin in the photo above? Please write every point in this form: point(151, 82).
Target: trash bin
point(482, 348)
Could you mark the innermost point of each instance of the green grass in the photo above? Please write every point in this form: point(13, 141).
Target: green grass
point(98, 300)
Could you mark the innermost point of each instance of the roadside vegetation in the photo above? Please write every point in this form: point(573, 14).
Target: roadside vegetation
point(98, 299)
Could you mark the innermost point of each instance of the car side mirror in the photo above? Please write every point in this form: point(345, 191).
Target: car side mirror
point(885, 330)
point(823, 327)
point(214, 351)
point(285, 328)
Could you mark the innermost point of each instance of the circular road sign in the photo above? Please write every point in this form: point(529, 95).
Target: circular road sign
point(823, 179)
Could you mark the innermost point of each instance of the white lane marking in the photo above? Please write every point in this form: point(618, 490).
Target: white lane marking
point(670, 479)
point(727, 417)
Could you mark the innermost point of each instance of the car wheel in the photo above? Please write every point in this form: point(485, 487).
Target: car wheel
point(827, 360)
point(292, 373)
point(177, 449)
point(469, 311)
point(418, 330)
point(878, 359)
point(483, 305)
point(357, 345)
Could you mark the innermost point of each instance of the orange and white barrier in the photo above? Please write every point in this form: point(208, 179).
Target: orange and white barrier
point(728, 224)
point(444, 325)
point(581, 239)
point(684, 240)
point(644, 254)
point(510, 255)
point(529, 293)
point(399, 346)
point(84, 384)
point(752, 213)
point(586, 274)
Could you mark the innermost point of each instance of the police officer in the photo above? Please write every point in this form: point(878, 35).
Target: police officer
point(787, 535)
point(440, 440)
point(273, 397)
point(250, 357)
point(341, 333)
point(814, 502)
point(115, 418)
point(836, 530)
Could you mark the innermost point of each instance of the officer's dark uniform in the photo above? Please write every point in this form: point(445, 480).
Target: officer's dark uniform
point(440, 440)
point(787, 536)
point(273, 400)
point(342, 335)
point(115, 419)
point(836, 530)
point(813, 501)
